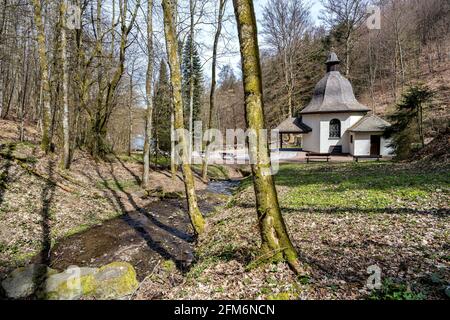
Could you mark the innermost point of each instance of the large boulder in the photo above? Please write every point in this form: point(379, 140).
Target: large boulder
point(71, 284)
point(26, 281)
point(115, 281)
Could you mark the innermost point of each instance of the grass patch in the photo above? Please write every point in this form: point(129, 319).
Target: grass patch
point(215, 172)
point(138, 158)
point(118, 185)
point(134, 158)
point(365, 186)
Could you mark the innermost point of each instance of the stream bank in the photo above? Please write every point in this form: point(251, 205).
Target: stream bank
point(159, 231)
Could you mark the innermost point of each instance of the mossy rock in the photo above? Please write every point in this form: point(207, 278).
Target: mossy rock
point(172, 195)
point(26, 281)
point(72, 284)
point(115, 281)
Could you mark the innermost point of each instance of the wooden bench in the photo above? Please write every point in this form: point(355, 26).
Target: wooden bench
point(313, 157)
point(358, 158)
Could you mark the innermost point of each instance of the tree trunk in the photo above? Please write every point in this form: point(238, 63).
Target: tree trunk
point(65, 71)
point(347, 54)
point(173, 165)
point(148, 91)
point(43, 63)
point(195, 215)
point(24, 93)
point(420, 120)
point(274, 236)
point(222, 6)
point(287, 79)
point(191, 68)
point(130, 115)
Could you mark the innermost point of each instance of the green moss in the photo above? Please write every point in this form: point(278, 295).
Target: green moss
point(115, 280)
point(72, 288)
point(169, 266)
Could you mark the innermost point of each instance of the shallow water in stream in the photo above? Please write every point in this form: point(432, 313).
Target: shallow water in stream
point(160, 231)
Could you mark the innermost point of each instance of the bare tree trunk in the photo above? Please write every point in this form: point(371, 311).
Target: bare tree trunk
point(274, 236)
point(173, 165)
point(45, 143)
point(24, 94)
point(287, 79)
point(420, 120)
point(191, 68)
point(65, 71)
point(221, 13)
point(195, 215)
point(148, 90)
point(11, 95)
point(347, 54)
point(130, 114)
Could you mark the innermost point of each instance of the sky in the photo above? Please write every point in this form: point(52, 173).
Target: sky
point(232, 46)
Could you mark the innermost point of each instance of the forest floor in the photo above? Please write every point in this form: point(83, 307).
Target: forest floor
point(342, 218)
point(42, 204)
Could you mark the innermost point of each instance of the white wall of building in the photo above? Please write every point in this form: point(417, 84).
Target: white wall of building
point(361, 144)
point(319, 139)
point(352, 143)
point(311, 140)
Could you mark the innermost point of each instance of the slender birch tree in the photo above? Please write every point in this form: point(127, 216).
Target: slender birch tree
point(65, 86)
point(191, 68)
point(275, 239)
point(195, 215)
point(212, 94)
point(148, 92)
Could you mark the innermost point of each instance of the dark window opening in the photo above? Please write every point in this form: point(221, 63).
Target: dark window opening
point(351, 139)
point(335, 128)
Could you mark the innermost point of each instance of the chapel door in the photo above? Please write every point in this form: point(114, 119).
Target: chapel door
point(375, 145)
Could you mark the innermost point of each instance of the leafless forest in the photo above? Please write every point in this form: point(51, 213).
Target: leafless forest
point(90, 82)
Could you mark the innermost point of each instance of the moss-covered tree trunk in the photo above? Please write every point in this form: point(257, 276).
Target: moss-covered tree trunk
point(148, 91)
point(275, 239)
point(175, 78)
point(43, 66)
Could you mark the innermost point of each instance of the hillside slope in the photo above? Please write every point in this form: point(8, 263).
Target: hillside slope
point(437, 116)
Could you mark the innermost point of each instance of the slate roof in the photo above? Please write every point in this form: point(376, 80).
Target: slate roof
point(370, 123)
point(333, 93)
point(293, 125)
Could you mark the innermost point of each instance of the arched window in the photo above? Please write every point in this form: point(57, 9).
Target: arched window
point(335, 128)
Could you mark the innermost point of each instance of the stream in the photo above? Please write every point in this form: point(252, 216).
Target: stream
point(159, 231)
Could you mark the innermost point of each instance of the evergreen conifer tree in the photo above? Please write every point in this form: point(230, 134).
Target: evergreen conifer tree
point(197, 77)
